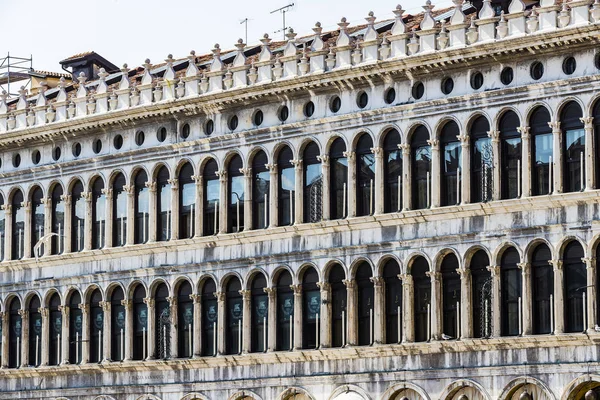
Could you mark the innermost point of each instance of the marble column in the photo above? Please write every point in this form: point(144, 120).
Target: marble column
point(131, 220)
point(590, 150)
point(496, 171)
point(299, 191)
point(65, 336)
point(174, 222)
point(44, 354)
point(559, 319)
point(297, 317)
point(325, 315)
point(406, 175)
point(128, 304)
point(557, 157)
point(273, 200)
point(197, 335)
point(47, 247)
point(174, 337)
point(465, 168)
point(109, 225)
point(85, 333)
point(378, 310)
point(106, 330)
point(408, 320)
point(351, 312)
point(152, 211)
point(5, 338)
point(526, 161)
point(495, 272)
point(351, 187)
point(591, 293)
point(247, 198)
point(246, 322)
point(466, 308)
point(87, 224)
point(378, 190)
point(25, 338)
point(65, 234)
point(199, 206)
point(223, 201)
point(272, 319)
point(151, 353)
point(8, 215)
point(436, 304)
point(221, 321)
point(526, 296)
point(27, 234)
point(326, 186)
point(435, 181)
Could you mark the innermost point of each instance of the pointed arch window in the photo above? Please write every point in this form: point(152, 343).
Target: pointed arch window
point(338, 179)
point(55, 330)
point(542, 278)
point(15, 334)
point(575, 285)
point(234, 313)
point(96, 327)
point(510, 150)
point(35, 334)
point(57, 220)
point(313, 183)
point(392, 158)
point(422, 299)
point(481, 161)
point(210, 315)
point(286, 175)
point(117, 326)
point(510, 293)
point(185, 321)
point(119, 206)
point(420, 168)
point(98, 218)
point(260, 314)
point(393, 302)
point(450, 296)
point(75, 329)
point(366, 310)
point(285, 311)
point(163, 205)
point(18, 226)
point(212, 189)
point(140, 323)
point(162, 325)
point(141, 207)
point(541, 135)
point(37, 220)
point(481, 299)
point(451, 154)
point(261, 182)
point(365, 176)
point(235, 191)
point(311, 308)
point(573, 144)
point(338, 306)
point(187, 201)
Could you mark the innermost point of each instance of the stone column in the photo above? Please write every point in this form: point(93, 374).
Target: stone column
point(220, 322)
point(8, 215)
point(199, 206)
point(174, 208)
point(272, 319)
point(495, 272)
point(299, 191)
point(297, 317)
point(590, 150)
point(85, 333)
point(526, 161)
point(44, 355)
point(273, 201)
point(197, 335)
point(128, 304)
point(174, 326)
point(68, 221)
point(435, 174)
point(406, 174)
point(591, 293)
point(87, 223)
point(109, 226)
point(408, 321)
point(47, 201)
point(436, 304)
point(247, 198)
point(559, 319)
point(557, 157)
point(65, 336)
point(526, 297)
point(106, 328)
point(25, 338)
point(246, 322)
point(27, 234)
point(223, 201)
point(466, 308)
point(378, 310)
point(351, 312)
point(378, 188)
point(351, 187)
point(152, 211)
point(150, 329)
point(5, 338)
point(496, 171)
point(325, 315)
point(465, 169)
point(325, 209)
point(131, 220)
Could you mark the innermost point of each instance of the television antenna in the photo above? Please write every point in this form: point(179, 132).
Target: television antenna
point(283, 10)
point(245, 21)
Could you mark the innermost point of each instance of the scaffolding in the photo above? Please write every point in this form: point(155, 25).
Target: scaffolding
point(12, 70)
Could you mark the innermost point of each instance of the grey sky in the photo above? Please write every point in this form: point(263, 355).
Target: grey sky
point(129, 31)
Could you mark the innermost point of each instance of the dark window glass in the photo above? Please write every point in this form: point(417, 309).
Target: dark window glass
point(259, 305)
point(338, 179)
point(418, 90)
point(258, 117)
point(569, 65)
point(58, 220)
point(365, 293)
point(481, 161)
point(335, 104)
point(390, 96)
point(15, 334)
point(233, 316)
point(56, 154)
point(185, 321)
point(97, 146)
point(476, 80)
point(541, 140)
point(209, 127)
point(312, 183)
point(451, 153)
point(261, 183)
point(510, 150)
point(140, 322)
point(18, 226)
point(55, 331)
point(287, 187)
point(210, 315)
point(311, 309)
point(506, 76)
point(119, 208)
point(447, 85)
point(162, 326)
point(573, 143)
point(98, 217)
point(450, 296)
point(34, 347)
point(161, 135)
point(2, 232)
point(284, 113)
point(510, 284)
point(117, 326)
point(285, 311)
point(141, 207)
point(392, 158)
point(536, 70)
point(422, 299)
point(36, 157)
point(37, 220)
point(235, 214)
point(338, 306)
point(139, 138)
point(185, 131)
point(187, 202)
point(596, 119)
point(118, 142)
point(362, 100)
point(212, 188)
point(420, 168)
point(78, 204)
point(575, 285)
point(96, 327)
point(76, 149)
point(16, 160)
point(233, 123)
point(481, 287)
point(365, 176)
point(542, 278)
point(393, 302)
point(309, 109)
point(163, 205)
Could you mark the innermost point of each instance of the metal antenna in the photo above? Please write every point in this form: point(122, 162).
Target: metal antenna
point(283, 10)
point(245, 21)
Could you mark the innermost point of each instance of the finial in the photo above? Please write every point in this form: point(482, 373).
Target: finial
point(102, 74)
point(192, 52)
point(147, 61)
point(81, 78)
point(240, 44)
point(317, 29)
point(291, 34)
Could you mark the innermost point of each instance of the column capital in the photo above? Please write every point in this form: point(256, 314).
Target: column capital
point(245, 294)
point(494, 269)
point(26, 205)
point(149, 302)
point(587, 121)
point(67, 198)
point(324, 286)
point(151, 185)
point(270, 291)
point(349, 155)
point(172, 300)
point(297, 289)
point(378, 151)
point(405, 147)
point(324, 159)
point(87, 196)
point(524, 131)
point(23, 313)
point(47, 201)
point(463, 273)
point(7, 208)
point(174, 182)
point(377, 281)
point(196, 298)
point(106, 305)
point(556, 264)
point(296, 163)
point(272, 167)
point(128, 304)
point(434, 143)
point(463, 139)
point(199, 179)
point(555, 125)
point(107, 192)
point(129, 189)
point(590, 262)
point(85, 308)
point(222, 175)
point(247, 172)
point(494, 135)
point(406, 278)
point(524, 266)
point(65, 310)
point(434, 275)
point(349, 283)
point(45, 312)
point(220, 296)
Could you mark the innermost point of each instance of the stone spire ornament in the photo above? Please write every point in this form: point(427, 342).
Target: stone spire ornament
point(399, 26)
point(486, 10)
point(317, 43)
point(428, 21)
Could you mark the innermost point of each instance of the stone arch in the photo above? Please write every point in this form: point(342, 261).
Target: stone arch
point(148, 397)
point(254, 151)
point(87, 293)
point(298, 393)
point(300, 273)
point(468, 387)
point(466, 263)
point(180, 280)
point(272, 278)
point(387, 128)
point(136, 170)
point(68, 187)
point(49, 293)
point(331, 138)
point(355, 263)
point(194, 396)
point(533, 244)
point(155, 282)
point(156, 167)
point(405, 389)
point(181, 163)
point(349, 392)
point(204, 160)
point(589, 110)
point(564, 102)
point(532, 107)
point(32, 187)
point(27, 299)
point(69, 292)
point(252, 274)
point(229, 155)
point(439, 257)
point(104, 397)
point(223, 281)
point(305, 143)
point(13, 190)
point(358, 134)
point(441, 123)
point(203, 280)
point(244, 395)
point(277, 149)
point(411, 258)
point(132, 286)
point(384, 259)
point(92, 180)
point(537, 388)
point(53, 184)
point(114, 173)
point(412, 128)
point(472, 117)
point(560, 247)
point(500, 114)
point(577, 388)
point(329, 264)
point(497, 255)
point(9, 298)
point(110, 289)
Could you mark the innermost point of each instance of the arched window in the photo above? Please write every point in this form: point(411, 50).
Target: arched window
point(98, 218)
point(210, 314)
point(311, 307)
point(140, 324)
point(450, 164)
point(2, 228)
point(450, 296)
point(96, 327)
point(287, 186)
point(575, 285)
point(235, 191)
point(187, 201)
point(313, 183)
point(14, 334)
point(37, 220)
point(422, 299)
point(141, 206)
point(77, 218)
point(541, 155)
point(55, 330)
point(338, 179)
point(420, 168)
point(596, 116)
point(185, 321)
point(18, 226)
point(285, 311)
point(510, 150)
point(261, 181)
point(542, 279)
point(392, 158)
point(481, 161)
point(366, 311)
point(162, 325)
point(117, 326)
point(365, 176)
point(260, 314)
point(573, 147)
point(35, 334)
point(510, 293)
point(75, 328)
point(234, 313)
point(212, 192)
point(393, 302)
point(119, 207)
point(163, 205)
point(58, 220)
point(338, 306)
point(481, 294)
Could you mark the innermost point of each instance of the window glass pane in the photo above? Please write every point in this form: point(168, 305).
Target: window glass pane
point(261, 184)
point(236, 204)
point(511, 149)
point(211, 199)
point(287, 187)
point(421, 177)
point(541, 167)
point(393, 183)
point(574, 156)
point(482, 170)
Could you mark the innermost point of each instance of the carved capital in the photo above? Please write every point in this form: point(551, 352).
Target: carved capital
point(85, 308)
point(524, 131)
point(525, 267)
point(589, 262)
point(23, 313)
point(494, 135)
point(434, 275)
point(587, 121)
point(271, 291)
point(247, 172)
point(407, 279)
point(349, 283)
point(297, 163)
point(350, 155)
point(245, 294)
point(220, 296)
point(7, 208)
point(45, 312)
point(149, 302)
point(463, 273)
point(196, 298)
point(378, 151)
point(66, 198)
point(494, 270)
point(324, 159)
point(555, 125)
point(556, 264)
point(324, 286)
point(434, 143)
point(297, 289)
point(151, 185)
point(106, 305)
point(405, 147)
point(87, 196)
point(271, 167)
point(26, 205)
point(222, 175)
point(377, 281)
point(129, 189)
point(463, 139)
point(128, 304)
point(174, 182)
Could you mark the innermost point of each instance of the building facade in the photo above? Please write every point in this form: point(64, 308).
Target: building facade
point(402, 210)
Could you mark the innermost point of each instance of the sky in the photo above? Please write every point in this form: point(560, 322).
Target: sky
point(129, 31)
